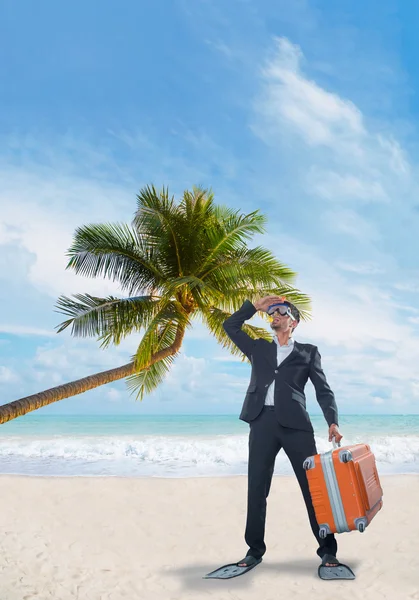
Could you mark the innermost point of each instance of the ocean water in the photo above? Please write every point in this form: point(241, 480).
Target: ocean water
point(180, 445)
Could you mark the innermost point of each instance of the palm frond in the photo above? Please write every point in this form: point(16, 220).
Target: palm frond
point(230, 234)
point(161, 334)
point(244, 266)
point(109, 318)
point(157, 216)
point(200, 291)
point(197, 216)
point(197, 207)
point(150, 377)
point(147, 380)
point(117, 252)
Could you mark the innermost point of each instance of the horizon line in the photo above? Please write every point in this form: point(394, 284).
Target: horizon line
point(206, 415)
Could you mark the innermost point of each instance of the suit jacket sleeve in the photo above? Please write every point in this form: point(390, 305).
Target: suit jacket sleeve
point(325, 396)
point(233, 328)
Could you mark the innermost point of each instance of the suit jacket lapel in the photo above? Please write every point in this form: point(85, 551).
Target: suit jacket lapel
point(273, 355)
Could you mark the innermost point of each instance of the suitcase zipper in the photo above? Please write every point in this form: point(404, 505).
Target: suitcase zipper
point(334, 492)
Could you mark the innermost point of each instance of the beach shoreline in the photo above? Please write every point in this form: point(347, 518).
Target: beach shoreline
point(176, 477)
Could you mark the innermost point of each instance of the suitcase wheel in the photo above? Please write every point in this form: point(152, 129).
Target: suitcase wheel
point(346, 456)
point(308, 464)
point(322, 532)
point(361, 527)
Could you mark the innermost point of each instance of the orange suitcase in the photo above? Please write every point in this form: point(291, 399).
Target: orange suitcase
point(345, 488)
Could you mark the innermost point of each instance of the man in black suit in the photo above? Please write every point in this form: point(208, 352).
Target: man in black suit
point(275, 408)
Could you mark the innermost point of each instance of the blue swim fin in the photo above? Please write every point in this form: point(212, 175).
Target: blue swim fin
point(233, 569)
point(338, 571)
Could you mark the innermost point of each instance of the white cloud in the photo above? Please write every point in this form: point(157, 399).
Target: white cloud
point(407, 286)
point(349, 222)
point(195, 381)
point(227, 358)
point(377, 400)
point(40, 215)
point(398, 159)
point(26, 330)
point(7, 375)
point(344, 186)
point(360, 268)
point(114, 395)
point(344, 314)
point(74, 358)
point(221, 47)
point(406, 308)
point(320, 117)
point(338, 157)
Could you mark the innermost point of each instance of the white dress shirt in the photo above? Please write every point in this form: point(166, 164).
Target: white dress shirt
point(281, 353)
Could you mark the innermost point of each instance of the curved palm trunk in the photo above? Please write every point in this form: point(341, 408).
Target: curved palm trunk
point(20, 407)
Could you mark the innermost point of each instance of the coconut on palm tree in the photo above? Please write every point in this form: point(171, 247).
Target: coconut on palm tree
point(175, 263)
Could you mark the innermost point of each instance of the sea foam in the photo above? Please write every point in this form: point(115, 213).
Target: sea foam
point(173, 456)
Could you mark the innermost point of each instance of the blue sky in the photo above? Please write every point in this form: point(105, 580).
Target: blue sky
point(305, 110)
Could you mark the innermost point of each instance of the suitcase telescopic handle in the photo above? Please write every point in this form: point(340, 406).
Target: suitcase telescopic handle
point(335, 444)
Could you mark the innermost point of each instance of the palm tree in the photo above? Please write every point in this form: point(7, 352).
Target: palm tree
point(175, 263)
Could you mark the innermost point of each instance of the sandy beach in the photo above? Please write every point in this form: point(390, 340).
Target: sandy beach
point(154, 539)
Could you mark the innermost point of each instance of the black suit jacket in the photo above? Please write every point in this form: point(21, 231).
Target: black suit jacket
point(290, 376)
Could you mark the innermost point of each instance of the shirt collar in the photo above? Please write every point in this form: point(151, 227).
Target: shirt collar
point(290, 342)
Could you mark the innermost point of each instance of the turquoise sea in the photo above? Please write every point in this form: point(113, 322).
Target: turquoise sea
point(180, 445)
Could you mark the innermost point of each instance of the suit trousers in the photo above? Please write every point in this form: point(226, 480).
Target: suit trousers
point(266, 438)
